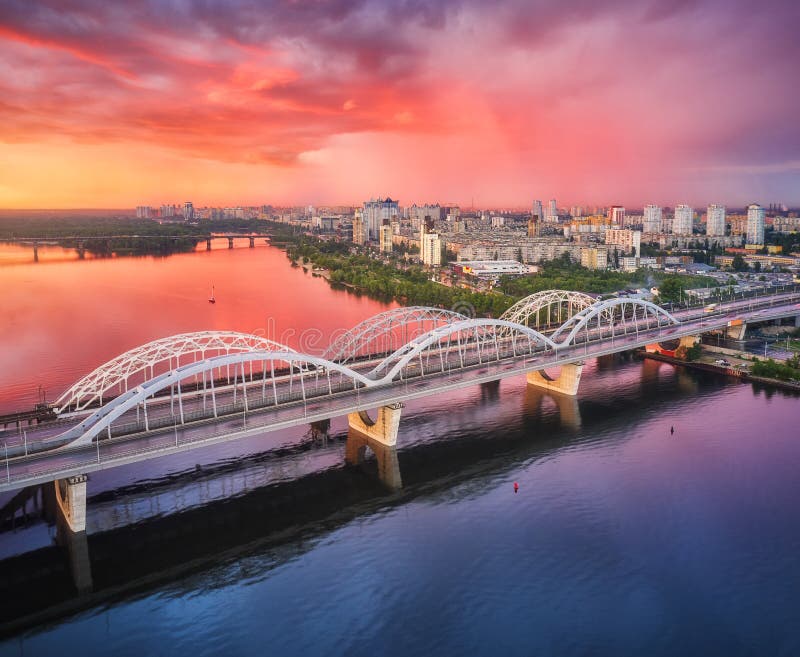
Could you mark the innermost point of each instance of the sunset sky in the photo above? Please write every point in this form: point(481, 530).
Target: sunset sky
point(115, 104)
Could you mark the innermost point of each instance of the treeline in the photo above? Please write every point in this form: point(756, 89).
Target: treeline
point(788, 371)
point(121, 246)
point(563, 274)
point(58, 227)
point(410, 286)
point(54, 227)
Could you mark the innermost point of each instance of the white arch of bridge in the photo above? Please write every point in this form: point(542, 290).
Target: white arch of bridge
point(143, 361)
point(381, 333)
point(101, 419)
point(490, 337)
point(558, 306)
point(479, 330)
point(608, 313)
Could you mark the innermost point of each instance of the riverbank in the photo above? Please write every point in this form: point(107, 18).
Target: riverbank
point(726, 370)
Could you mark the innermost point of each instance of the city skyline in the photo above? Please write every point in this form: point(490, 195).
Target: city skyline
point(655, 102)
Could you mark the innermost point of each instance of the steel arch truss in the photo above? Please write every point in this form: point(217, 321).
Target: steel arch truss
point(611, 318)
point(547, 308)
point(261, 379)
point(146, 361)
point(383, 333)
point(458, 345)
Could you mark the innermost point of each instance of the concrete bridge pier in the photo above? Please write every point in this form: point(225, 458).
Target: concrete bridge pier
point(386, 457)
point(71, 502)
point(208, 243)
point(566, 383)
point(384, 429)
point(252, 242)
point(35, 252)
point(230, 242)
point(81, 249)
point(736, 332)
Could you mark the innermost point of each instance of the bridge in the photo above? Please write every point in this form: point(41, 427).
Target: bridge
point(80, 242)
point(193, 390)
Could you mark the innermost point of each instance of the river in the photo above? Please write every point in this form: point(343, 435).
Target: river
point(623, 538)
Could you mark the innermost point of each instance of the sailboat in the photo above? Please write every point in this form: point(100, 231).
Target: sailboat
point(212, 299)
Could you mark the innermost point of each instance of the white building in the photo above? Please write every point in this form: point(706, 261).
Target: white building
point(386, 238)
point(167, 210)
point(537, 210)
point(359, 229)
point(616, 215)
point(594, 257)
point(652, 219)
point(143, 211)
point(755, 224)
point(188, 211)
point(431, 249)
point(492, 268)
point(417, 213)
point(715, 221)
point(627, 240)
point(552, 210)
point(683, 220)
point(375, 211)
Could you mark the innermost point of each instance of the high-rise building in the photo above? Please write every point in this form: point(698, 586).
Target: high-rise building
point(188, 211)
point(417, 213)
point(552, 210)
point(359, 229)
point(755, 224)
point(616, 215)
point(652, 219)
point(431, 249)
point(533, 226)
point(374, 212)
point(143, 211)
point(537, 210)
point(683, 220)
point(167, 210)
point(594, 257)
point(386, 237)
point(715, 221)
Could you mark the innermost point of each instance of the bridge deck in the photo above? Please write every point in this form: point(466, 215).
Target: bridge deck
point(140, 445)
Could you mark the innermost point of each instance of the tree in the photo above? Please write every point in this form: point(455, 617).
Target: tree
point(519, 255)
point(757, 267)
point(671, 289)
point(738, 263)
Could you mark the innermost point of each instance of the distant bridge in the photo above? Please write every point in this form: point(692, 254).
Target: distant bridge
point(79, 242)
point(197, 389)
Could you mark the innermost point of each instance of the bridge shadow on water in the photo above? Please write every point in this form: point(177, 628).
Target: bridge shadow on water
point(284, 519)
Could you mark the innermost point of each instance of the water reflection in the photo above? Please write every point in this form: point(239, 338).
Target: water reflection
point(568, 408)
point(388, 464)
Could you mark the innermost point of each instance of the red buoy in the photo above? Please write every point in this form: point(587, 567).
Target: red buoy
point(516, 486)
